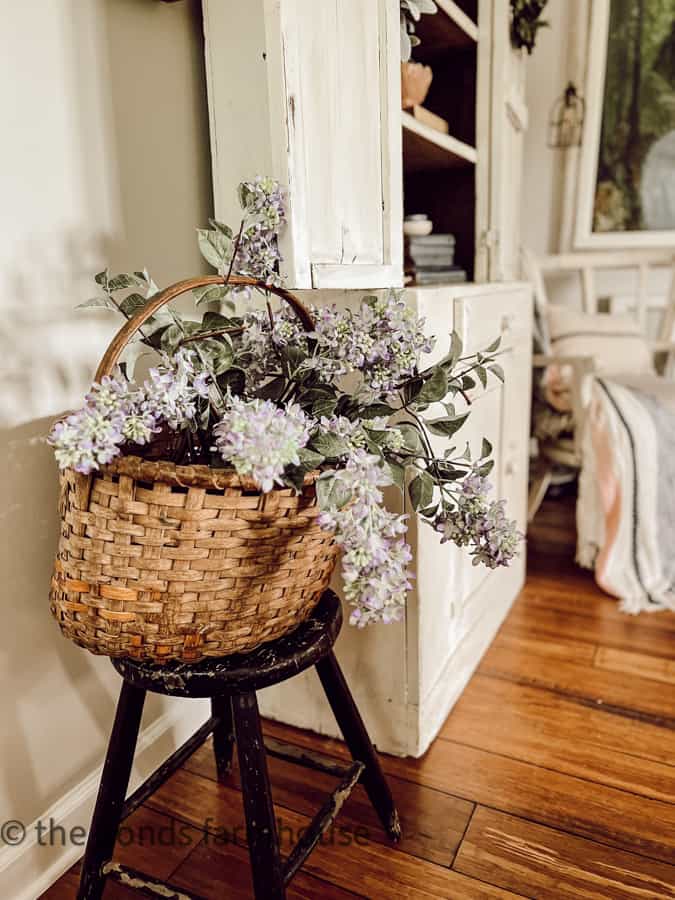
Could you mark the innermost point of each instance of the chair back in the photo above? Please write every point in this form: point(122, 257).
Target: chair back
point(603, 282)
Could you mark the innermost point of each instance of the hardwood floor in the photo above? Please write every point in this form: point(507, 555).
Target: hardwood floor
point(553, 776)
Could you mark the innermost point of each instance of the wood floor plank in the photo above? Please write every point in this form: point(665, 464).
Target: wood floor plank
point(435, 822)
point(365, 866)
point(511, 637)
point(643, 665)
point(216, 870)
point(640, 696)
point(543, 728)
point(66, 889)
point(598, 629)
point(541, 862)
point(608, 815)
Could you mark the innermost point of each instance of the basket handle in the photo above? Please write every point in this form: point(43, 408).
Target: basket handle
point(130, 327)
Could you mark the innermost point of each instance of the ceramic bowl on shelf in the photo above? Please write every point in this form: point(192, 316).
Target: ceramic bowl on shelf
point(418, 225)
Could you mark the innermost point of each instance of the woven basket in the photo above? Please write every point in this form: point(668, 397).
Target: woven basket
point(158, 561)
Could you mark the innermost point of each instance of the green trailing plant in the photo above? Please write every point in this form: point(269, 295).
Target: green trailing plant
point(526, 22)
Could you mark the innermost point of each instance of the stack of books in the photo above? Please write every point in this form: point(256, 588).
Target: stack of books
point(431, 259)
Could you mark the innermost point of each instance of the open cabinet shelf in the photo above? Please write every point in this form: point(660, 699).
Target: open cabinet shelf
point(449, 27)
point(426, 149)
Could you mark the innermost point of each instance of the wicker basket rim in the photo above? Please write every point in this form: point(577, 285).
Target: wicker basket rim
point(187, 476)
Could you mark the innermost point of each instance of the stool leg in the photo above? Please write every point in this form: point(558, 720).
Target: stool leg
point(223, 734)
point(112, 791)
point(261, 828)
point(360, 746)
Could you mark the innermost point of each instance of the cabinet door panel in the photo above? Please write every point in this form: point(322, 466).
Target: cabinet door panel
point(309, 91)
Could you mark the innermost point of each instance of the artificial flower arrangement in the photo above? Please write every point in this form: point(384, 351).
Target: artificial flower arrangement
point(257, 391)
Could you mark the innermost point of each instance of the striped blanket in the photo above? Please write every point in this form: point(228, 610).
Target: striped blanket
point(626, 506)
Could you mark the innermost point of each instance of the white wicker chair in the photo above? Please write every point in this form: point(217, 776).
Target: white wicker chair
point(593, 267)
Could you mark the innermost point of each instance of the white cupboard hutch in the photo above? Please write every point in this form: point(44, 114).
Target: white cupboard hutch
point(309, 91)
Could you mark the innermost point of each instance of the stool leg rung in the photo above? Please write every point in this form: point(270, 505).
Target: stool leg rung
point(322, 820)
point(310, 759)
point(168, 767)
point(150, 887)
point(357, 739)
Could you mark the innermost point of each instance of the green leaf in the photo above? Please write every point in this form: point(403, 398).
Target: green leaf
point(486, 448)
point(171, 338)
point(397, 472)
point(467, 453)
point(412, 390)
point(421, 491)
point(376, 410)
point(482, 375)
point(329, 445)
point(324, 407)
point(98, 303)
point(447, 427)
point(222, 359)
point(429, 512)
point(210, 293)
point(234, 379)
point(214, 320)
point(412, 437)
point(273, 389)
point(215, 247)
point(102, 278)
point(310, 458)
point(331, 491)
point(435, 388)
point(467, 383)
point(221, 227)
point(494, 345)
point(486, 468)
point(451, 359)
point(122, 281)
point(498, 371)
point(131, 304)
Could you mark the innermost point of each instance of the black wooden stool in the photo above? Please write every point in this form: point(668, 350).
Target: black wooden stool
point(231, 684)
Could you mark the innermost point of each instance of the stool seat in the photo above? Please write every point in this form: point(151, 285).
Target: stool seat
point(266, 665)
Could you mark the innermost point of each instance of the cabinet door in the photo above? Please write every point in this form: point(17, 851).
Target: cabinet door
point(309, 91)
point(501, 122)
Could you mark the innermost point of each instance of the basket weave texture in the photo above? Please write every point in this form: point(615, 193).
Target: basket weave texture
point(158, 561)
point(152, 568)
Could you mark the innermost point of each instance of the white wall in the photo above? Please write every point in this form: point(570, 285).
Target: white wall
point(103, 161)
point(547, 75)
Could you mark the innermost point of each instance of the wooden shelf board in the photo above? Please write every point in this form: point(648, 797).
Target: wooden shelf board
point(449, 28)
point(424, 148)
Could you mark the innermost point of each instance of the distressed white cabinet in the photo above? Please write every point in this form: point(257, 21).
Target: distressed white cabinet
point(407, 676)
point(309, 91)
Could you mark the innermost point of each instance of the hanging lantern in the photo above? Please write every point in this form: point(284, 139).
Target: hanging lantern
point(567, 119)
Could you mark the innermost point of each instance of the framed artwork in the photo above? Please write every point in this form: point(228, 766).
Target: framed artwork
point(626, 176)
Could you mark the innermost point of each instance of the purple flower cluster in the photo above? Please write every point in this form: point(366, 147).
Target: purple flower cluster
point(260, 340)
point(260, 439)
point(383, 340)
point(117, 411)
point(375, 557)
point(91, 437)
point(172, 389)
point(480, 524)
point(258, 252)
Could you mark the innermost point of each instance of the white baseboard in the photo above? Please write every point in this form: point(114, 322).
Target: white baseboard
point(27, 870)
